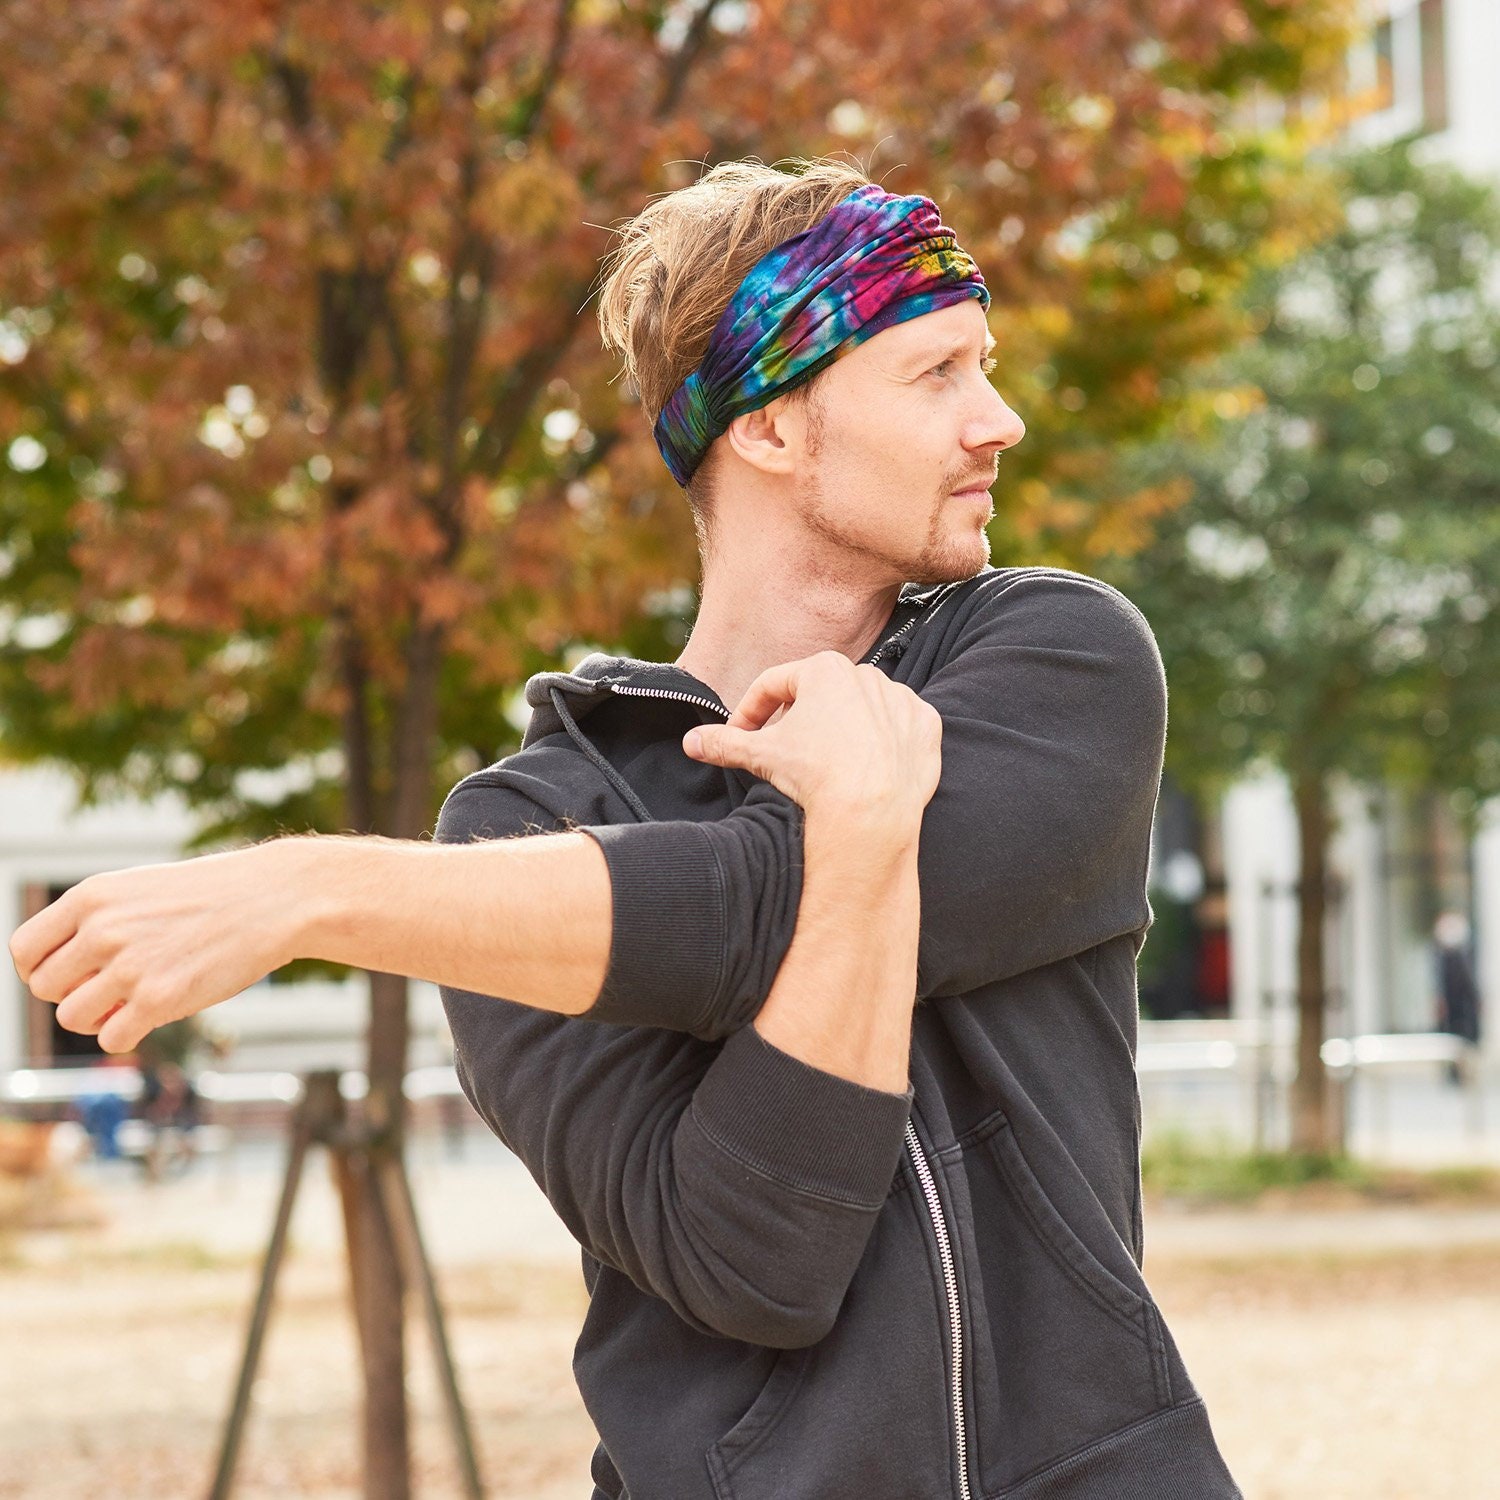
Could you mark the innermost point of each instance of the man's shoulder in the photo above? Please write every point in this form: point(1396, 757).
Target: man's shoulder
point(1050, 602)
point(545, 787)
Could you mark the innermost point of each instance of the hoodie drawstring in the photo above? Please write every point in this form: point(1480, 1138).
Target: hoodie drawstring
point(583, 742)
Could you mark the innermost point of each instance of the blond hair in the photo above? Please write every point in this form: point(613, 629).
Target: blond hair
point(679, 261)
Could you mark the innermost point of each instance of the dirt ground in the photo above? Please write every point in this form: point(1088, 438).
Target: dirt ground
point(115, 1376)
point(1365, 1375)
point(1331, 1377)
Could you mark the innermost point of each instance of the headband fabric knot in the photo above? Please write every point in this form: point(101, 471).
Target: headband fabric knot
point(873, 260)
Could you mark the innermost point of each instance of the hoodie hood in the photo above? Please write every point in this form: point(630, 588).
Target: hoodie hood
point(593, 680)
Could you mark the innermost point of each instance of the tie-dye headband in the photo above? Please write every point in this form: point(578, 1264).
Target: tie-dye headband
point(872, 260)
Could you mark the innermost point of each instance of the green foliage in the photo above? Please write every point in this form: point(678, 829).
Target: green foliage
point(1178, 1164)
point(1329, 598)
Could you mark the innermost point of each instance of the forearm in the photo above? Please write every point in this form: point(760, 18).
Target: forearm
point(527, 918)
point(843, 996)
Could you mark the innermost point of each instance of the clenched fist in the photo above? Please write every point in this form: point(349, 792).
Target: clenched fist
point(128, 950)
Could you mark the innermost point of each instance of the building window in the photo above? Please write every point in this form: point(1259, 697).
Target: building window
point(1371, 72)
point(1434, 66)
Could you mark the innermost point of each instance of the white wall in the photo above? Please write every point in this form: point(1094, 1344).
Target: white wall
point(1487, 926)
point(1472, 56)
point(1260, 846)
point(1386, 964)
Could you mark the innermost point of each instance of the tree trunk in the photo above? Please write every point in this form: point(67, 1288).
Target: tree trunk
point(1314, 1128)
point(379, 1314)
point(375, 1269)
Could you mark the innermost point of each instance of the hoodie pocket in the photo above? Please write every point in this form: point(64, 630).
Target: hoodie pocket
point(1065, 1348)
point(863, 1413)
point(759, 1421)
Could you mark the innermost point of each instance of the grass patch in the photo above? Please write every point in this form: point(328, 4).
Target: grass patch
point(1212, 1169)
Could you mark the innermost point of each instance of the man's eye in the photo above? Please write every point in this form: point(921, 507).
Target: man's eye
point(987, 365)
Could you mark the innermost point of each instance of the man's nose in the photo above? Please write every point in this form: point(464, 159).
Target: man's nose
point(994, 424)
point(1005, 427)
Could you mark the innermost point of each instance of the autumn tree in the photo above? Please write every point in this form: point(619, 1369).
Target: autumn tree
point(1328, 601)
point(313, 452)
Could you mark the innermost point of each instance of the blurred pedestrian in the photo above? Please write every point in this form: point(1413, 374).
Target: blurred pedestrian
point(169, 1102)
point(101, 1113)
point(1457, 988)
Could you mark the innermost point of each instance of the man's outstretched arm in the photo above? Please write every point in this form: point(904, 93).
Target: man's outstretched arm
point(531, 919)
point(128, 950)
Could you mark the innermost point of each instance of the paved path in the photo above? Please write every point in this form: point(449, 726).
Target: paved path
point(482, 1206)
point(1231, 1233)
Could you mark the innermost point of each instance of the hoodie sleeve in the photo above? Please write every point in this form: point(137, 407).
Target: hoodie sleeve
point(732, 1180)
point(1034, 846)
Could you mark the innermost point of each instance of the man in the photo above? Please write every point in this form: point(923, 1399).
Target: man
point(819, 1025)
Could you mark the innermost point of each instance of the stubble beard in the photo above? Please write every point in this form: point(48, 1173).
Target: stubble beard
point(948, 554)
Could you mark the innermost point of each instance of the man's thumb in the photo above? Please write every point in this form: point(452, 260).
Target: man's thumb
point(716, 743)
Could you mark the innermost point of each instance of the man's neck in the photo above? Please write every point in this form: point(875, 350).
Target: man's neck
point(748, 622)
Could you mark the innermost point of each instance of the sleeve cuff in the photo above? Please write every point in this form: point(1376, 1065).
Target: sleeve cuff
point(807, 1128)
point(667, 928)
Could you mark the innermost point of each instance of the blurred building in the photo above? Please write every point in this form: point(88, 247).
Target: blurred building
point(1400, 859)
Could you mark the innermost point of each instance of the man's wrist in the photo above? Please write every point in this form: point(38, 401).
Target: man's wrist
point(301, 869)
point(843, 996)
point(860, 837)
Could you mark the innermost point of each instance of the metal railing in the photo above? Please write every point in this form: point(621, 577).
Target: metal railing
point(1265, 1058)
point(41, 1086)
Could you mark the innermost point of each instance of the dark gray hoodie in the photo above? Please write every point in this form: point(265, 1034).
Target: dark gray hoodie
point(802, 1288)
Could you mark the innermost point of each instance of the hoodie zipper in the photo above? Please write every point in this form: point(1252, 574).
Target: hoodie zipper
point(891, 639)
point(950, 1284)
point(642, 692)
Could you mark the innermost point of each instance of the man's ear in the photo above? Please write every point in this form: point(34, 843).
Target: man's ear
point(761, 438)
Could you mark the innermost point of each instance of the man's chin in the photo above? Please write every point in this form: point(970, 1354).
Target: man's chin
point(952, 563)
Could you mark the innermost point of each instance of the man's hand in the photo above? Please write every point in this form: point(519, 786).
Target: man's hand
point(836, 737)
point(123, 952)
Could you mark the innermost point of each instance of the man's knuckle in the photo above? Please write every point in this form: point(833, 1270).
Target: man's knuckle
point(150, 995)
point(104, 934)
point(81, 899)
point(72, 1011)
point(126, 976)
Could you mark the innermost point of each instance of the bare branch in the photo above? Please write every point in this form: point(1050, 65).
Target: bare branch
point(518, 392)
point(536, 102)
point(682, 60)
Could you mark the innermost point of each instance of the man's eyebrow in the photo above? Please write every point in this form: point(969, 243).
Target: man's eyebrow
point(937, 356)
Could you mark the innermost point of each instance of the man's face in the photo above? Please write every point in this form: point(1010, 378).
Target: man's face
point(899, 424)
